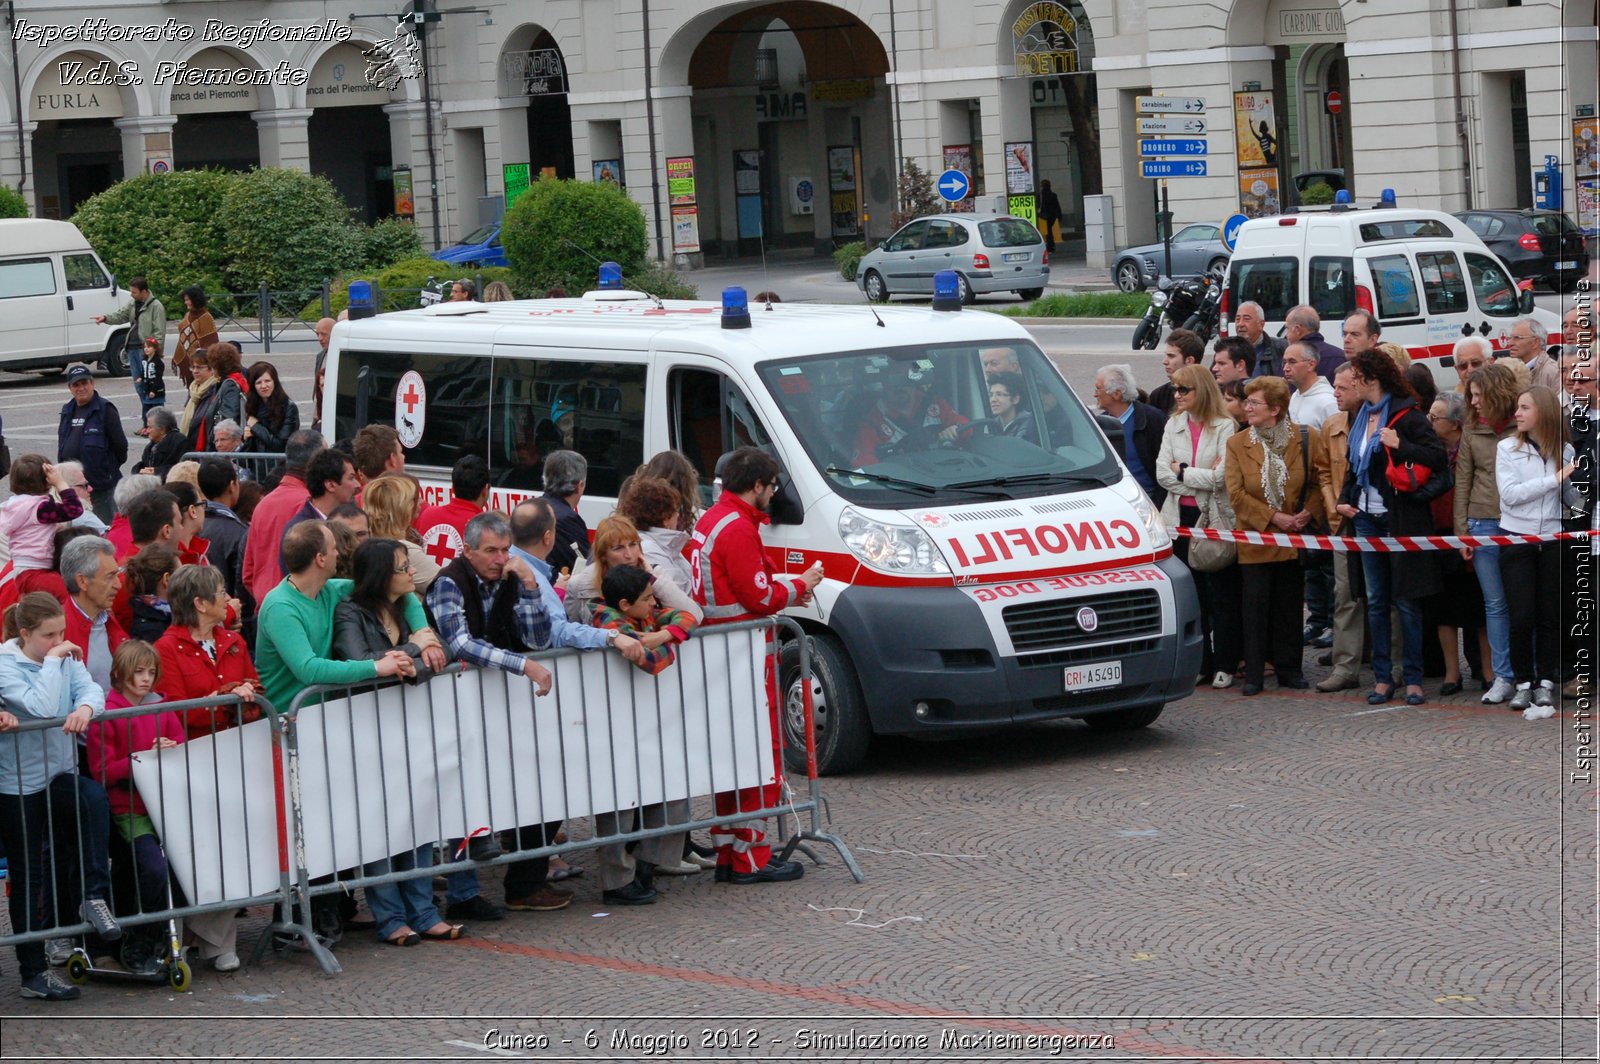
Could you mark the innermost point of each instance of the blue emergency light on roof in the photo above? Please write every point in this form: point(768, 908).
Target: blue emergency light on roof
point(1342, 196)
point(1387, 199)
point(362, 304)
point(946, 290)
point(735, 308)
point(610, 276)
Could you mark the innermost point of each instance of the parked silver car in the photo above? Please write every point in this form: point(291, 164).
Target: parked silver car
point(1196, 249)
point(989, 252)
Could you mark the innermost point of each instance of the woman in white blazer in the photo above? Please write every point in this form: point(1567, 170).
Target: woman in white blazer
point(1190, 466)
point(1532, 467)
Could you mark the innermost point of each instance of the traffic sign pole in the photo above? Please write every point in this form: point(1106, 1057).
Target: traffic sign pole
point(1183, 136)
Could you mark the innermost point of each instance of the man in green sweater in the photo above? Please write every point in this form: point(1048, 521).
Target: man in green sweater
point(295, 623)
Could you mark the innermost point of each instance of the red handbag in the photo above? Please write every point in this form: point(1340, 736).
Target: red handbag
point(1404, 476)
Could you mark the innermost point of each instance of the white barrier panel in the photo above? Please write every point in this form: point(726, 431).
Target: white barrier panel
point(383, 772)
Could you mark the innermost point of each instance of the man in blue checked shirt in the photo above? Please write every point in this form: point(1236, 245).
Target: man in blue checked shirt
point(533, 534)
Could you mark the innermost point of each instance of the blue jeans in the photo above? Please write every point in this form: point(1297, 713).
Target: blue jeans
point(1496, 612)
point(408, 903)
point(136, 371)
point(1377, 568)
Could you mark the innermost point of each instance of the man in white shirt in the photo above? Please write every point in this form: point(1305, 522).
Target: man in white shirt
point(1313, 400)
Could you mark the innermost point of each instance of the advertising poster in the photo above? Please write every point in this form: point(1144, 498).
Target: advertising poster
point(516, 179)
point(1255, 130)
point(686, 228)
point(608, 171)
point(747, 172)
point(1584, 207)
point(1258, 193)
point(405, 205)
point(842, 208)
point(1023, 207)
point(1586, 147)
point(1019, 169)
point(680, 180)
point(841, 168)
point(844, 217)
point(959, 157)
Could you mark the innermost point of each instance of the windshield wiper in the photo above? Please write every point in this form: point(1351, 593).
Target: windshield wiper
point(1030, 478)
point(914, 485)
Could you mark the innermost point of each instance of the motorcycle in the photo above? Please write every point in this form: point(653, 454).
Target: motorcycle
point(430, 293)
point(1194, 304)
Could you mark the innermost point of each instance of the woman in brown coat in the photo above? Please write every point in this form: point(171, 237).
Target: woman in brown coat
point(1272, 483)
point(196, 332)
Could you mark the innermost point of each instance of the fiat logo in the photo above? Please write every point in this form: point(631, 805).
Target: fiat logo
point(1088, 620)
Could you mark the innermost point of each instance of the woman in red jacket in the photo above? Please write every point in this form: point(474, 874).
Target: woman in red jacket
point(200, 656)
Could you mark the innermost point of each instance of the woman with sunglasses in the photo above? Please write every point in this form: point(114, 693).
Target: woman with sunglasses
point(1190, 466)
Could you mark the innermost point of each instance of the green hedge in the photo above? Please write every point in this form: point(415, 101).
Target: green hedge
point(558, 232)
point(398, 284)
point(229, 232)
point(12, 205)
point(659, 279)
point(848, 259)
point(1084, 305)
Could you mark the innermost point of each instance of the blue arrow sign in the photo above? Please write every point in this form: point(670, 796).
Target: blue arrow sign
point(953, 185)
point(1179, 168)
point(1230, 230)
point(1173, 146)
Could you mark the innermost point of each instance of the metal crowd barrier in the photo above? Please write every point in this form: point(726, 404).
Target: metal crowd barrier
point(252, 465)
point(364, 773)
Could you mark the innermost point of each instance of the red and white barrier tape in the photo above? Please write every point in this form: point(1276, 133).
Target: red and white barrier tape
point(1378, 544)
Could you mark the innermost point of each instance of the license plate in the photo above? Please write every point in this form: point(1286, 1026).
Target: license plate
point(1093, 677)
point(1572, 265)
point(1018, 256)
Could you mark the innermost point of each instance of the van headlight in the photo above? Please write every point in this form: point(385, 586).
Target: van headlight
point(1149, 516)
point(890, 548)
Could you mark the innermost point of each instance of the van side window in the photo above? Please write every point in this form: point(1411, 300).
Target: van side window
point(710, 417)
point(454, 412)
point(83, 273)
point(1496, 294)
point(544, 405)
point(1395, 287)
point(27, 277)
point(1269, 282)
point(1332, 286)
point(1442, 282)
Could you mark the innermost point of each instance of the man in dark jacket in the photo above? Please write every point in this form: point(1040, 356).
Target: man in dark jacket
point(1142, 425)
point(1250, 324)
point(225, 534)
point(1303, 325)
point(566, 475)
point(91, 432)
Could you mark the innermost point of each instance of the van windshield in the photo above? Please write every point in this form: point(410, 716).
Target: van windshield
point(914, 425)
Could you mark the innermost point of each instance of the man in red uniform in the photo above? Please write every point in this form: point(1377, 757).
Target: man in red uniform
point(735, 581)
point(443, 526)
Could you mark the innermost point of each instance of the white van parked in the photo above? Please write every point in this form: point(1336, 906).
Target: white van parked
point(1009, 570)
point(52, 286)
point(1428, 278)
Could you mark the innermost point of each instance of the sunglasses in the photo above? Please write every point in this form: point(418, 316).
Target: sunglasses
point(1181, 390)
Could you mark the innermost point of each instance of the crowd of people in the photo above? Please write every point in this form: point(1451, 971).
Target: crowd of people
point(188, 580)
point(1293, 435)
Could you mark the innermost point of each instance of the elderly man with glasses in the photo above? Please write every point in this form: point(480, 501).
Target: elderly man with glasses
point(1526, 345)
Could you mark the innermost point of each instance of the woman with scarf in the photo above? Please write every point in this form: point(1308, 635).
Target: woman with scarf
point(1271, 473)
point(196, 332)
point(196, 422)
point(227, 367)
point(1389, 429)
point(1491, 404)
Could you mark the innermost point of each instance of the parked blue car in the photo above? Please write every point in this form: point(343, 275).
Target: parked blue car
point(481, 247)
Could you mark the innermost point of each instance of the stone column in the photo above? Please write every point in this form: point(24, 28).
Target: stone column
point(12, 173)
point(285, 137)
point(408, 139)
point(145, 139)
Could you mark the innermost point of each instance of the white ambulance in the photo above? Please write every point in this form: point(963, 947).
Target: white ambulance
point(1427, 277)
point(986, 563)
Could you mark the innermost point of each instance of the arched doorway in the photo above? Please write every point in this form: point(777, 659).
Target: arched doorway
point(214, 128)
point(78, 144)
point(1324, 138)
point(791, 133)
point(348, 138)
point(532, 66)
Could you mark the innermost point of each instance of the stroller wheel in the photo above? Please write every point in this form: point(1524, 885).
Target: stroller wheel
point(78, 969)
point(179, 976)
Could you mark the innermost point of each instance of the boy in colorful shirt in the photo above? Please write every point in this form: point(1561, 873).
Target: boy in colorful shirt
point(631, 609)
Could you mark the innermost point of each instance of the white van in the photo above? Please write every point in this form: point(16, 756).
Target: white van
point(970, 582)
point(1427, 277)
point(52, 286)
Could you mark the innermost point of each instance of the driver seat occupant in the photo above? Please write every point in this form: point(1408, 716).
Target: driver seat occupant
point(901, 416)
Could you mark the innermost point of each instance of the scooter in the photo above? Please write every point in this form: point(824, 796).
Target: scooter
point(431, 293)
point(169, 966)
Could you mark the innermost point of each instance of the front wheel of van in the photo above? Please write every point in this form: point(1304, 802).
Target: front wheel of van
point(1131, 719)
point(115, 358)
point(838, 709)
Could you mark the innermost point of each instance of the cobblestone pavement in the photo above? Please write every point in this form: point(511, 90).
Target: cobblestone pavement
point(1286, 877)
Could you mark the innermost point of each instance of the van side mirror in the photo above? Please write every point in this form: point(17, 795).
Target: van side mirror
point(785, 507)
point(1525, 301)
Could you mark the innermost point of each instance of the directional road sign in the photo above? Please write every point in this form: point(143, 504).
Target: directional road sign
point(1192, 105)
point(1173, 146)
point(1175, 168)
point(1189, 127)
point(1230, 230)
point(953, 185)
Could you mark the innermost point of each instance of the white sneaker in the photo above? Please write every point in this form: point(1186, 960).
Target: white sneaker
point(1498, 692)
point(225, 962)
point(1523, 698)
point(1538, 712)
point(1545, 695)
point(58, 951)
point(1222, 680)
